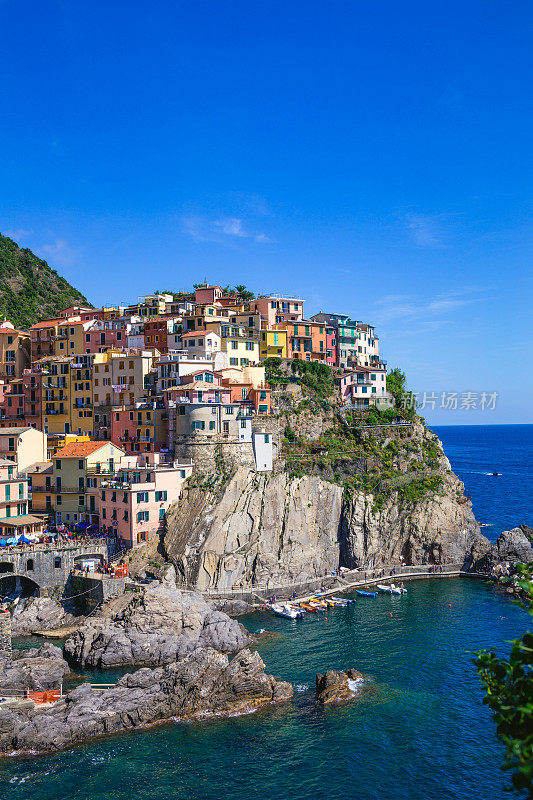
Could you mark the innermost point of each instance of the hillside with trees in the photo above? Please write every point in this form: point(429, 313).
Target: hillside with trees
point(30, 290)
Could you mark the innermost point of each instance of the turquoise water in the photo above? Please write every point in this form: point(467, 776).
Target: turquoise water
point(475, 452)
point(421, 732)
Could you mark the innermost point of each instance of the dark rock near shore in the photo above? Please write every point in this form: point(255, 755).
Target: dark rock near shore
point(334, 686)
point(232, 607)
point(157, 626)
point(39, 614)
point(511, 547)
point(39, 668)
point(203, 683)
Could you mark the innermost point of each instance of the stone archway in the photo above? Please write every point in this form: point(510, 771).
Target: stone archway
point(18, 585)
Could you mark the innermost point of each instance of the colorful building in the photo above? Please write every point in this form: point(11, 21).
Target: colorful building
point(121, 377)
point(364, 387)
point(278, 308)
point(134, 501)
point(75, 478)
point(15, 351)
point(23, 445)
point(273, 343)
point(14, 518)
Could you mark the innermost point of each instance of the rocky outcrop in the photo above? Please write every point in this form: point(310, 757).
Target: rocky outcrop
point(39, 668)
point(203, 683)
point(291, 530)
point(157, 626)
point(39, 614)
point(511, 547)
point(335, 686)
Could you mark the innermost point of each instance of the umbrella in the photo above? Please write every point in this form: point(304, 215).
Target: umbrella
point(3, 543)
point(23, 540)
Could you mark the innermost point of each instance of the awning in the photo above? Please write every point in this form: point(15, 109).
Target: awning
point(24, 519)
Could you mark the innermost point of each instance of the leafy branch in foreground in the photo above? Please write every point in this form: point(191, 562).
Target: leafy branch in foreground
point(509, 695)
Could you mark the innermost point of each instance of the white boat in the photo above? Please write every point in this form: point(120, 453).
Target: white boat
point(286, 610)
point(391, 589)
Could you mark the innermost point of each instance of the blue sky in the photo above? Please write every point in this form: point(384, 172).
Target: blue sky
point(374, 158)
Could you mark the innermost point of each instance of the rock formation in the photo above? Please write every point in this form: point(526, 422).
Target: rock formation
point(39, 614)
point(292, 529)
point(204, 682)
point(39, 668)
point(511, 547)
point(157, 626)
point(337, 685)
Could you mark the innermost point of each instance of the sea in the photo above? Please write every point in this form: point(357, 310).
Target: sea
point(417, 728)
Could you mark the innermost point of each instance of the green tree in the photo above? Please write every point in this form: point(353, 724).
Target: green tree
point(509, 695)
point(243, 293)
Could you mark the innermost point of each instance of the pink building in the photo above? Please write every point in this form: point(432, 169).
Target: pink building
point(275, 309)
point(207, 294)
point(134, 502)
point(331, 346)
point(103, 335)
point(364, 387)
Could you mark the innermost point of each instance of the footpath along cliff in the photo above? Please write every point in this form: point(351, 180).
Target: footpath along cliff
point(340, 494)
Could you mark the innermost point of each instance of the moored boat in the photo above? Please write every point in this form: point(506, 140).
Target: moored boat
point(364, 593)
point(383, 588)
point(286, 610)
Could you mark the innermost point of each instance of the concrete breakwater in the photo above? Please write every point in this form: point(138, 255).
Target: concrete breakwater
point(258, 595)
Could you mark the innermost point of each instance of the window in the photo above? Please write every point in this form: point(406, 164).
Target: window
point(234, 362)
point(243, 423)
point(57, 562)
point(263, 410)
point(11, 444)
point(267, 438)
point(234, 345)
point(228, 409)
point(59, 500)
point(143, 516)
point(212, 425)
point(81, 500)
point(249, 345)
point(159, 496)
point(142, 497)
point(29, 565)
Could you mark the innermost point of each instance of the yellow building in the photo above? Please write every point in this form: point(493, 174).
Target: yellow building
point(121, 376)
point(40, 495)
point(76, 474)
point(273, 343)
point(56, 441)
point(67, 394)
point(15, 350)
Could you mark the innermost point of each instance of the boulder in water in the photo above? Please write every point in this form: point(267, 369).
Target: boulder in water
point(337, 685)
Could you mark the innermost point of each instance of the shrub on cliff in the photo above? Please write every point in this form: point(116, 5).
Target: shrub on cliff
point(509, 687)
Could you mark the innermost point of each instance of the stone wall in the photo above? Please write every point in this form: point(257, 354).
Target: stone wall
point(5, 637)
point(47, 567)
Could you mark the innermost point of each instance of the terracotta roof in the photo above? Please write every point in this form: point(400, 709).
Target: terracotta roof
point(79, 449)
point(195, 333)
point(48, 323)
point(7, 329)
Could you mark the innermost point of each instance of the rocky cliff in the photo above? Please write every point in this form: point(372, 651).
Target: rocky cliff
point(341, 498)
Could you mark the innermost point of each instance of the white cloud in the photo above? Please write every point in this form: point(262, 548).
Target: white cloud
point(58, 252)
point(19, 233)
point(431, 312)
point(221, 230)
point(231, 226)
point(426, 230)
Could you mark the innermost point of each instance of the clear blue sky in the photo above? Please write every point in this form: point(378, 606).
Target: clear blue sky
point(373, 157)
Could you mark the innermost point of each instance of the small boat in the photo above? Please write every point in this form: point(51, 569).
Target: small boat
point(363, 593)
point(338, 602)
point(383, 588)
point(317, 605)
point(286, 610)
point(309, 608)
point(346, 599)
